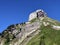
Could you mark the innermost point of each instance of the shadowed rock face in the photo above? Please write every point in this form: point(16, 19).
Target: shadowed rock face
point(40, 14)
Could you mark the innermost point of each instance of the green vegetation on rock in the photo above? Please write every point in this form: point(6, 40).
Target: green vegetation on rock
point(51, 37)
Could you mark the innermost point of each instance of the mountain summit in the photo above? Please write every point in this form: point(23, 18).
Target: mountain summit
point(39, 30)
point(37, 14)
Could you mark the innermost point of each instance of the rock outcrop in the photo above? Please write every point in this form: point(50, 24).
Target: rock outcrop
point(37, 14)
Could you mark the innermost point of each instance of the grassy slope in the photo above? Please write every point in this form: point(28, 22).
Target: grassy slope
point(51, 37)
point(35, 40)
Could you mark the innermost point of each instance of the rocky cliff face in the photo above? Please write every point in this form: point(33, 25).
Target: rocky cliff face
point(37, 14)
point(21, 34)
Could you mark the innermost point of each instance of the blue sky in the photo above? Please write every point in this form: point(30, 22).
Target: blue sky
point(17, 11)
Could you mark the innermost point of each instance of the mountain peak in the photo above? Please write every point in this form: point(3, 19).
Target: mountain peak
point(39, 30)
point(37, 14)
